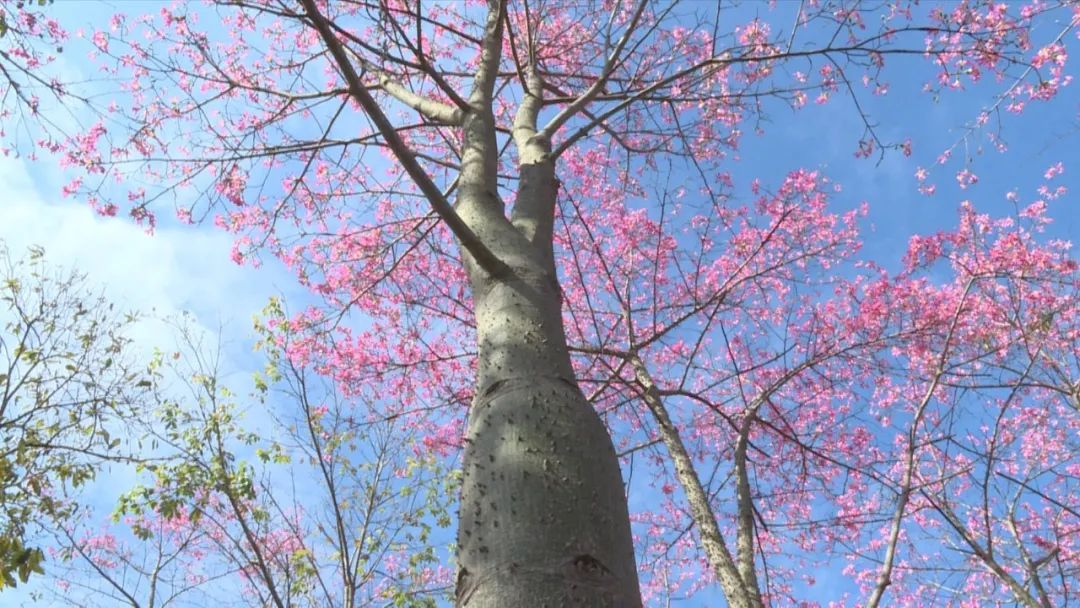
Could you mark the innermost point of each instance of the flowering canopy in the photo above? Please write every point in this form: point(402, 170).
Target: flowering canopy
point(792, 404)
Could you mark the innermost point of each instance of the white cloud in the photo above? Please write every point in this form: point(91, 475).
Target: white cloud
point(179, 268)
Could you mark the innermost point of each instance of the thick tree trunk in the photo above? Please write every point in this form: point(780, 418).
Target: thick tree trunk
point(543, 518)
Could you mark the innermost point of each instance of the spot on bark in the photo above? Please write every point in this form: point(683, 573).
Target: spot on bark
point(588, 567)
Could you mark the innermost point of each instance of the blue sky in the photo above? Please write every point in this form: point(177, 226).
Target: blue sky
point(188, 268)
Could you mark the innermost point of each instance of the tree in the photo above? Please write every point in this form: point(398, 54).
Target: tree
point(877, 410)
point(584, 146)
point(330, 510)
point(67, 381)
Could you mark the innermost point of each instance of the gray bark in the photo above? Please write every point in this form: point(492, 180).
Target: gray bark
point(738, 579)
point(543, 518)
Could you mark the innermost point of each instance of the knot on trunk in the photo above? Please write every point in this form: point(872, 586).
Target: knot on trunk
point(464, 587)
point(587, 567)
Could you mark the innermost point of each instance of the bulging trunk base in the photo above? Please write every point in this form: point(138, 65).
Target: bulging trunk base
point(543, 512)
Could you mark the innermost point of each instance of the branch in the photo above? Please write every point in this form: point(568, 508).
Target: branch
point(472, 243)
point(885, 578)
point(1056, 503)
point(863, 47)
point(989, 562)
point(490, 54)
point(525, 118)
point(422, 62)
point(609, 66)
point(737, 590)
point(433, 110)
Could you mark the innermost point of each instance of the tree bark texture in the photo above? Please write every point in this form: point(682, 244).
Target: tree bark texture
point(543, 518)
